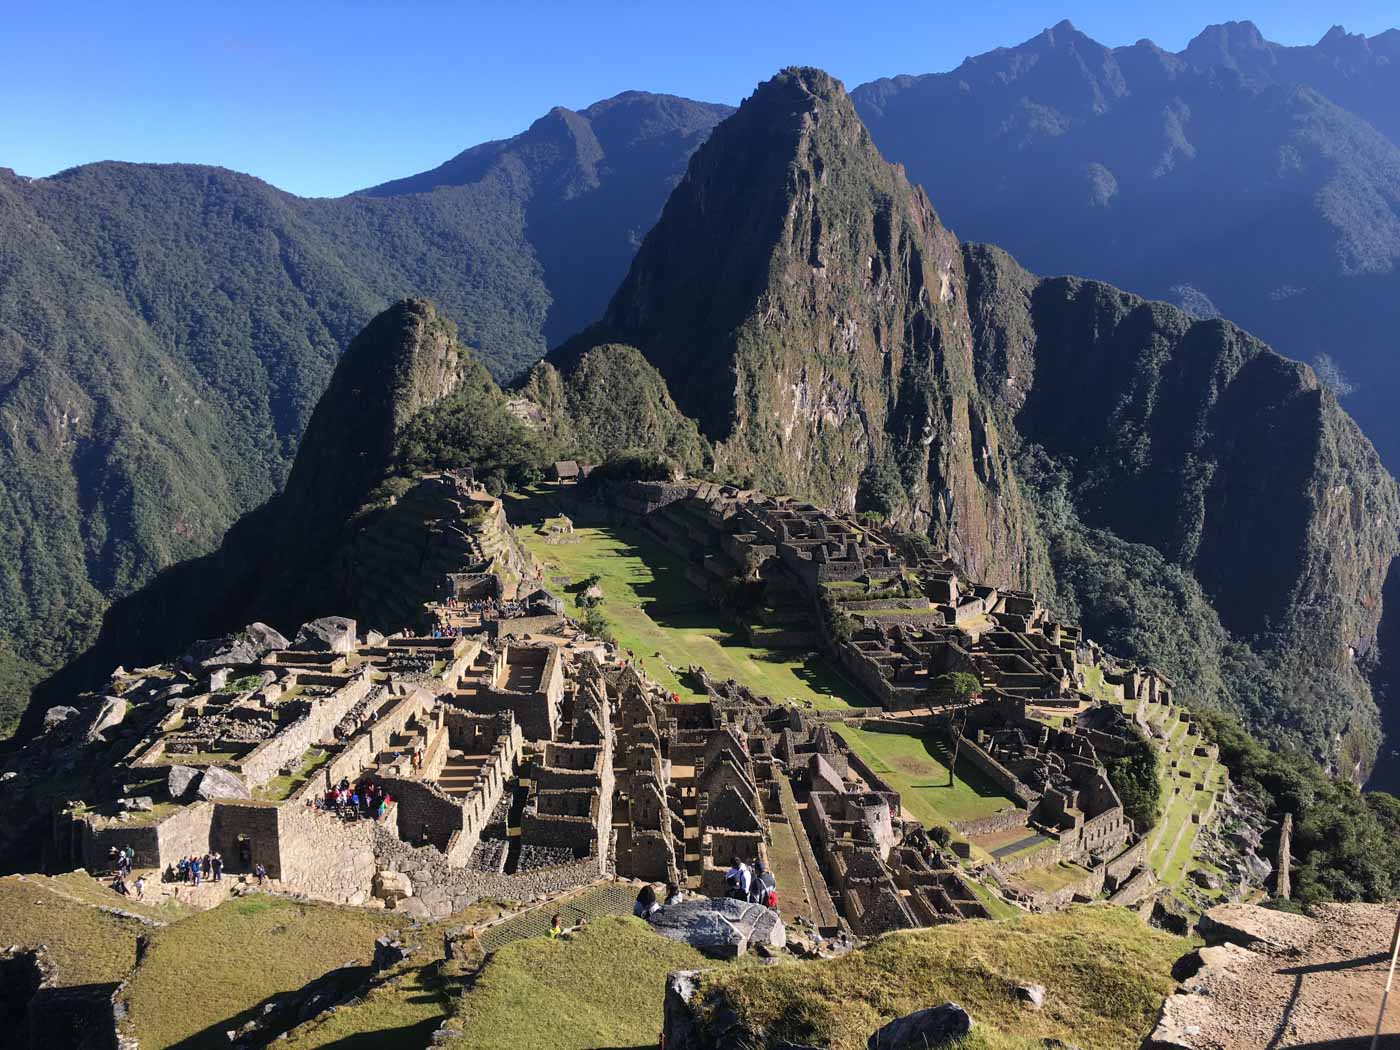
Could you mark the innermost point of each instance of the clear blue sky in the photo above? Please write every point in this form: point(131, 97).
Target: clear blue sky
point(321, 98)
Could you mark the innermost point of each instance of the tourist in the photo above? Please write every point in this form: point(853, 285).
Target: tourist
point(645, 906)
point(260, 872)
point(217, 860)
point(737, 881)
point(194, 870)
point(182, 869)
point(674, 894)
point(140, 886)
point(556, 927)
point(765, 888)
point(119, 885)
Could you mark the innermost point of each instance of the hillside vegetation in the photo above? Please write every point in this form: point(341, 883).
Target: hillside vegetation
point(1104, 974)
point(166, 331)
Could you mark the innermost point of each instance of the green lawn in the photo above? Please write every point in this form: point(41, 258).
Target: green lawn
point(650, 607)
point(1105, 973)
point(915, 767)
point(603, 987)
point(1055, 877)
point(211, 972)
point(88, 945)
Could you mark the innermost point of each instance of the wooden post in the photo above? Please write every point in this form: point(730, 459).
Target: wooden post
point(1390, 978)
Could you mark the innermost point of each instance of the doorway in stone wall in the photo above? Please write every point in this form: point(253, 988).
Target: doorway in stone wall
point(245, 853)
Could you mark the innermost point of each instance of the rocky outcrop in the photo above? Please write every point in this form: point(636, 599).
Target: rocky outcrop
point(220, 783)
point(719, 927)
point(181, 781)
point(1268, 978)
point(329, 634)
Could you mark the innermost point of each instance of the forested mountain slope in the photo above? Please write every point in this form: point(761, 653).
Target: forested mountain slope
point(165, 331)
point(1237, 177)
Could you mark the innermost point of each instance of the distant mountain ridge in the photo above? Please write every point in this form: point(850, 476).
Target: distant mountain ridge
point(166, 330)
point(1237, 177)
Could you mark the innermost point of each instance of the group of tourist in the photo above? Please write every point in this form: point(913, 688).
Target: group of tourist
point(195, 870)
point(753, 884)
point(646, 905)
point(363, 800)
point(121, 859)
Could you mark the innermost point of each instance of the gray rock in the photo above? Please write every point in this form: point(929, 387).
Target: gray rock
point(181, 781)
point(329, 634)
point(374, 639)
point(720, 927)
point(58, 715)
point(1259, 869)
point(266, 639)
point(392, 885)
point(218, 782)
point(414, 908)
point(1031, 995)
point(111, 714)
point(139, 804)
point(213, 654)
point(218, 679)
point(1206, 880)
point(389, 951)
point(932, 1027)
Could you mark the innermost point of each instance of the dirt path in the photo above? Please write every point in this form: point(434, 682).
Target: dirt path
point(1276, 980)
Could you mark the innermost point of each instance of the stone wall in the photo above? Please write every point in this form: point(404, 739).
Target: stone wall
point(1004, 821)
point(286, 748)
point(994, 770)
point(425, 812)
point(186, 833)
point(258, 824)
point(325, 857)
point(144, 840)
point(1123, 865)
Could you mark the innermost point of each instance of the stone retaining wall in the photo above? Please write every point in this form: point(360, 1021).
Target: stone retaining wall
point(286, 748)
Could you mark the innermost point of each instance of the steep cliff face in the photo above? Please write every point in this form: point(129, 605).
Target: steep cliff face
point(805, 304)
point(1195, 439)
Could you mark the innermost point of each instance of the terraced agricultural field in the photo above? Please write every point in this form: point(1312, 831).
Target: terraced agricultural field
point(916, 768)
point(651, 608)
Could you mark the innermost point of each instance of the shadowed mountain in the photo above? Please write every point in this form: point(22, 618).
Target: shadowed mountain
point(1238, 177)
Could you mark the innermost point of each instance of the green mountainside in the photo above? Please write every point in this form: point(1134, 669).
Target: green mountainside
point(166, 331)
point(1033, 424)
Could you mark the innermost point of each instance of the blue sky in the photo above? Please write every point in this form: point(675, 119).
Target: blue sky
point(320, 98)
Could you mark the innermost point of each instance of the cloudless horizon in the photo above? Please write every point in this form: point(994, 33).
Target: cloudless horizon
point(321, 98)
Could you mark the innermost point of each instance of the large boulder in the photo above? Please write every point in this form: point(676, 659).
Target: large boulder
point(923, 1029)
point(266, 639)
point(214, 654)
point(720, 927)
point(181, 781)
point(218, 782)
point(111, 714)
point(392, 885)
point(56, 716)
point(329, 634)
